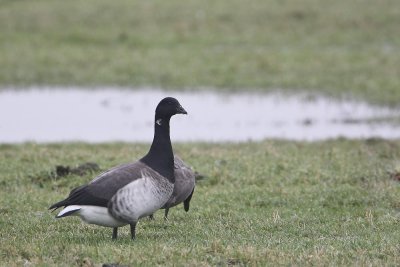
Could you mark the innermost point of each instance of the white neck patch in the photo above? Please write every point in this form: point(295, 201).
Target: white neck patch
point(159, 121)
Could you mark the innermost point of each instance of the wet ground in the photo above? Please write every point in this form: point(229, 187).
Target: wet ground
point(103, 115)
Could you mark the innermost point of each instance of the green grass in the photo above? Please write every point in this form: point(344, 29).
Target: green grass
point(334, 47)
point(267, 203)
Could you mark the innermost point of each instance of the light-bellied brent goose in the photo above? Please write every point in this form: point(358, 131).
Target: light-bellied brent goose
point(128, 192)
point(183, 189)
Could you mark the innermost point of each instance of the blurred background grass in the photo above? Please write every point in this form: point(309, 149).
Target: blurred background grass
point(338, 48)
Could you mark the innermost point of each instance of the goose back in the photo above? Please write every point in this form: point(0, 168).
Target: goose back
point(184, 183)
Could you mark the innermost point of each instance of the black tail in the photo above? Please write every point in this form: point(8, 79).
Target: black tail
point(199, 176)
point(80, 196)
point(68, 200)
point(59, 204)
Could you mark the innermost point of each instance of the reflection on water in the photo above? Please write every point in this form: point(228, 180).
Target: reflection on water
point(71, 114)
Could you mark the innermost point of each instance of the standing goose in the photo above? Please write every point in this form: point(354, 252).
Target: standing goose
point(183, 189)
point(128, 192)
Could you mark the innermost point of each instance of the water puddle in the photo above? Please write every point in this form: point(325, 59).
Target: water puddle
point(103, 115)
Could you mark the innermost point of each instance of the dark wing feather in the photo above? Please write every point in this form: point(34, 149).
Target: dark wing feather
point(81, 196)
point(101, 189)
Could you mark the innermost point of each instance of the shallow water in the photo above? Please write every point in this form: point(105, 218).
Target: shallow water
point(103, 115)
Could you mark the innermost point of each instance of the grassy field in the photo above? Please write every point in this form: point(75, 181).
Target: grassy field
point(268, 203)
point(334, 47)
point(263, 204)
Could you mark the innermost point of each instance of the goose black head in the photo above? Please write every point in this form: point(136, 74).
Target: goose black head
point(168, 107)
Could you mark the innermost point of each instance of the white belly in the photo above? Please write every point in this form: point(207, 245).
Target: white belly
point(93, 215)
point(140, 198)
point(99, 216)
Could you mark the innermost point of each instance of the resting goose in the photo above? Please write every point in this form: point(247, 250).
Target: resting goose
point(183, 189)
point(128, 192)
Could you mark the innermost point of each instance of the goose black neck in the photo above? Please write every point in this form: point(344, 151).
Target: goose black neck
point(160, 156)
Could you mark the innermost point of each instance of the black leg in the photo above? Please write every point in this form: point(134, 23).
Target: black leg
point(166, 213)
point(187, 201)
point(133, 230)
point(115, 233)
point(151, 217)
